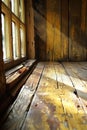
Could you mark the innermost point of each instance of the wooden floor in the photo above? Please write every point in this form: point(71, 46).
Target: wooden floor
point(53, 98)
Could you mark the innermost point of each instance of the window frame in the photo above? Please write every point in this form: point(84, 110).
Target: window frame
point(6, 2)
point(5, 11)
point(13, 17)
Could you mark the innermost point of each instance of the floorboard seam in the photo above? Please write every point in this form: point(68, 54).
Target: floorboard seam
point(28, 108)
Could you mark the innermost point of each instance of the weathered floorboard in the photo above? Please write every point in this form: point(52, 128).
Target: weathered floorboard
point(20, 107)
point(78, 82)
point(70, 100)
point(53, 98)
point(55, 103)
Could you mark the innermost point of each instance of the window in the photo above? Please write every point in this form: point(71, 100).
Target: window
point(12, 5)
point(21, 10)
point(17, 7)
point(6, 2)
point(22, 41)
point(13, 30)
point(3, 35)
point(7, 55)
point(14, 40)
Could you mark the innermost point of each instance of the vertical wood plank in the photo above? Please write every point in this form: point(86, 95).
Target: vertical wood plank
point(40, 28)
point(83, 15)
point(83, 28)
point(53, 30)
point(64, 28)
point(30, 29)
point(77, 38)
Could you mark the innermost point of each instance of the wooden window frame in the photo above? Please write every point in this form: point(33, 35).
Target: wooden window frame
point(10, 16)
point(6, 2)
point(7, 33)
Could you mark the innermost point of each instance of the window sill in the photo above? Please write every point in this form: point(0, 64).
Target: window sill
point(8, 64)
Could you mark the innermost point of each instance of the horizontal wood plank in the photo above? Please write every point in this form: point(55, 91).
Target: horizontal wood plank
point(17, 114)
point(51, 99)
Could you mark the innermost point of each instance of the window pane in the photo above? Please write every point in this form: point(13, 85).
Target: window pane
point(14, 39)
point(3, 36)
point(21, 10)
point(12, 5)
point(22, 39)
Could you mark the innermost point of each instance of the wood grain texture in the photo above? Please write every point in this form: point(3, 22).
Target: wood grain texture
point(61, 30)
point(54, 97)
point(29, 16)
point(55, 105)
point(17, 114)
point(65, 29)
point(14, 75)
point(54, 44)
point(40, 11)
point(77, 34)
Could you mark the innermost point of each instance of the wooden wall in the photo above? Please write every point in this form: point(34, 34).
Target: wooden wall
point(78, 30)
point(57, 30)
point(40, 27)
point(2, 78)
point(29, 17)
point(60, 30)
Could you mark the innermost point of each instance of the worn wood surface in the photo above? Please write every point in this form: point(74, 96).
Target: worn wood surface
point(18, 111)
point(53, 98)
point(54, 44)
point(60, 30)
point(77, 30)
point(16, 74)
point(29, 17)
point(40, 28)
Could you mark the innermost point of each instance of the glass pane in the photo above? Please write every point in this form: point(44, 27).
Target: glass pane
point(3, 36)
point(21, 10)
point(14, 39)
point(22, 39)
point(12, 6)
